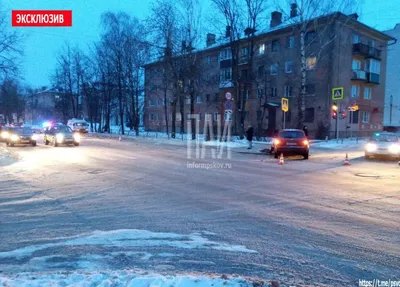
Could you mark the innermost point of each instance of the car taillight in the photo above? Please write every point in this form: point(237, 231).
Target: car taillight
point(305, 142)
point(276, 142)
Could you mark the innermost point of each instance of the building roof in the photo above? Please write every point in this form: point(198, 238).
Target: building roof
point(290, 22)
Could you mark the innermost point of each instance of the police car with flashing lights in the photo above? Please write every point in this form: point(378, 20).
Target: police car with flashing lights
point(61, 135)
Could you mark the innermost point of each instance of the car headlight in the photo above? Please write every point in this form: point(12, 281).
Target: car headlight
point(371, 147)
point(34, 137)
point(4, 135)
point(59, 138)
point(77, 137)
point(394, 148)
point(14, 138)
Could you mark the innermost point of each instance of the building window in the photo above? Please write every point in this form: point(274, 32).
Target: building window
point(207, 117)
point(198, 116)
point(356, 39)
point(187, 116)
point(209, 60)
point(353, 117)
point(199, 99)
point(208, 98)
point(160, 102)
point(216, 97)
point(187, 100)
point(260, 93)
point(261, 71)
point(274, 69)
point(367, 93)
point(225, 74)
point(310, 89)
point(309, 115)
point(275, 46)
point(365, 118)
point(273, 92)
point(290, 42)
point(151, 102)
point(374, 66)
point(178, 116)
point(245, 51)
point(311, 62)
point(355, 91)
point(151, 117)
point(225, 54)
point(356, 65)
point(217, 116)
point(310, 36)
point(288, 66)
point(261, 49)
point(288, 91)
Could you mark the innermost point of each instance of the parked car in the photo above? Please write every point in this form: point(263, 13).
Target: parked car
point(61, 134)
point(21, 136)
point(78, 125)
point(383, 144)
point(291, 141)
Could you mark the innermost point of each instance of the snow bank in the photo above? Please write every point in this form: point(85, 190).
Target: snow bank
point(124, 278)
point(341, 144)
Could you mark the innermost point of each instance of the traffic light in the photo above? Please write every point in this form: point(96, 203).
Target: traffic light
point(344, 114)
point(334, 111)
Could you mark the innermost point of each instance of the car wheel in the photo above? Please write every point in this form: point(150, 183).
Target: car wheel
point(76, 144)
point(55, 144)
point(11, 144)
point(276, 154)
point(306, 155)
point(34, 143)
point(367, 157)
point(7, 144)
point(46, 142)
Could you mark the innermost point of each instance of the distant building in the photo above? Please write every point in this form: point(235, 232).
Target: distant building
point(355, 59)
point(392, 96)
point(42, 106)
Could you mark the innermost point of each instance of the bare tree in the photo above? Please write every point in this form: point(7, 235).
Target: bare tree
point(10, 49)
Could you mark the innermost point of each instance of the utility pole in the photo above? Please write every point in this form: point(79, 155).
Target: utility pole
point(391, 107)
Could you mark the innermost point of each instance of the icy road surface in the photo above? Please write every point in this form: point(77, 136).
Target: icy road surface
point(110, 205)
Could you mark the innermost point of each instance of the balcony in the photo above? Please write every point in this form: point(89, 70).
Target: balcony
point(373, 78)
point(359, 75)
point(244, 60)
point(367, 51)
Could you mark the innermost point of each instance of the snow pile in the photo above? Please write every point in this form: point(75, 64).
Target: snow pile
point(124, 278)
point(341, 144)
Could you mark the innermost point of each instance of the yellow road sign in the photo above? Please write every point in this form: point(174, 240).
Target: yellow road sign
point(285, 104)
point(337, 94)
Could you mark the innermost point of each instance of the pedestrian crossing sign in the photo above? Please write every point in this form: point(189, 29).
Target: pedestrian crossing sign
point(285, 104)
point(337, 94)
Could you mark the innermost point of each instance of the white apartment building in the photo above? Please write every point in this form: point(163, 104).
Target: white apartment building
point(392, 91)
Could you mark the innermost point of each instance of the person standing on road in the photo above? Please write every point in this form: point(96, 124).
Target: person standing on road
point(249, 133)
point(305, 129)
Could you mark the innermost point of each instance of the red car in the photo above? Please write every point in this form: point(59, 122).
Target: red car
point(291, 141)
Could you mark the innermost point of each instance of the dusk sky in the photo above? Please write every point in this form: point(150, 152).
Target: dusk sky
point(43, 44)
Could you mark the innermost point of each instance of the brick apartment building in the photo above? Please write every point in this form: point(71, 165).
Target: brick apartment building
point(354, 58)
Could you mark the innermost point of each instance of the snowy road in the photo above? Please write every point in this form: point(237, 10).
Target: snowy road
point(110, 205)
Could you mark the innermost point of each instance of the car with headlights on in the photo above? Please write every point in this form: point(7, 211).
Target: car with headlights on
point(291, 141)
point(61, 135)
point(3, 133)
point(383, 144)
point(20, 136)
